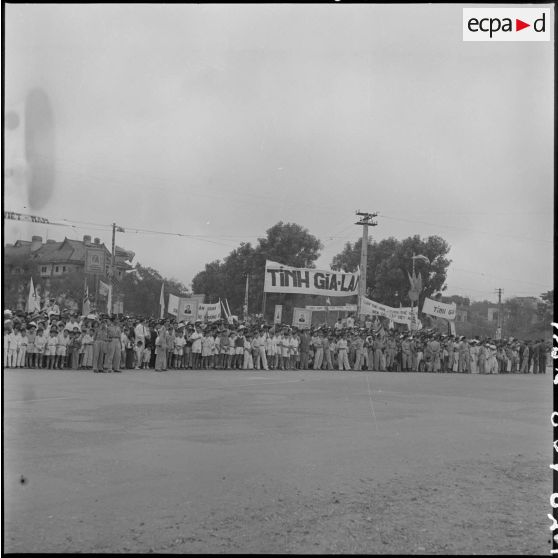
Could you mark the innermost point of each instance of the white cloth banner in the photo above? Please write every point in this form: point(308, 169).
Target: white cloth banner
point(33, 304)
point(285, 279)
point(174, 302)
point(439, 309)
point(346, 308)
point(397, 315)
point(209, 312)
point(302, 318)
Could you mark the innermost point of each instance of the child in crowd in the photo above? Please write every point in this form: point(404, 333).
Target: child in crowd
point(232, 350)
point(73, 350)
point(87, 349)
point(62, 342)
point(139, 354)
point(196, 348)
point(248, 361)
point(21, 347)
point(146, 355)
point(178, 356)
point(40, 346)
point(50, 352)
point(238, 351)
point(208, 344)
point(30, 355)
point(11, 344)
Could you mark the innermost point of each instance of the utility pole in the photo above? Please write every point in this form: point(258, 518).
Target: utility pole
point(500, 316)
point(111, 271)
point(365, 222)
point(246, 297)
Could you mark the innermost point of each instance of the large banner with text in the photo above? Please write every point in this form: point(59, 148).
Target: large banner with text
point(406, 315)
point(285, 279)
point(209, 312)
point(439, 309)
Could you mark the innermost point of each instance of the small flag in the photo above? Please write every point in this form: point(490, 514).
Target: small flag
point(32, 303)
point(103, 289)
point(86, 307)
point(109, 301)
point(162, 301)
point(224, 309)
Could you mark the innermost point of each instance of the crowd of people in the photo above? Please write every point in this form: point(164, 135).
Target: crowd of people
point(110, 344)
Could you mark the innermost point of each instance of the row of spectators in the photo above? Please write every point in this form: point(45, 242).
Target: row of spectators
point(105, 344)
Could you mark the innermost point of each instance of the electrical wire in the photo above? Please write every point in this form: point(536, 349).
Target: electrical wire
point(439, 225)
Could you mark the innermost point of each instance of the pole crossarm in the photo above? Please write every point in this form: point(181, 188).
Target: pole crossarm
point(365, 222)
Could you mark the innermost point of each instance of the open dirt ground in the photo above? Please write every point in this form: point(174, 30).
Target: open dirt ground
point(278, 462)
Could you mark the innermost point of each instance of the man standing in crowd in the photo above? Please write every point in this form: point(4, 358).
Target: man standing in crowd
point(343, 359)
point(260, 345)
point(141, 331)
point(541, 350)
point(304, 349)
point(161, 348)
point(114, 348)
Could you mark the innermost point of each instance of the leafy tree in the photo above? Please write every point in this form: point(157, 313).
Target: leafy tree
point(67, 289)
point(546, 308)
point(286, 243)
point(523, 317)
point(142, 288)
point(390, 262)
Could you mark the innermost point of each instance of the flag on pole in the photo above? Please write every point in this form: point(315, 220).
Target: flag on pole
point(32, 304)
point(162, 301)
point(109, 300)
point(103, 289)
point(86, 306)
point(224, 309)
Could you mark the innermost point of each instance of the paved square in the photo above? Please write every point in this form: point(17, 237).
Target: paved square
point(281, 462)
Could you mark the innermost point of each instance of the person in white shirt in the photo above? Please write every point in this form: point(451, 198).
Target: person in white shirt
point(7, 332)
point(261, 359)
point(342, 353)
point(179, 343)
point(271, 348)
point(294, 355)
point(73, 323)
point(53, 308)
point(22, 348)
point(62, 342)
point(11, 345)
point(50, 351)
point(196, 348)
point(248, 361)
point(142, 332)
point(40, 344)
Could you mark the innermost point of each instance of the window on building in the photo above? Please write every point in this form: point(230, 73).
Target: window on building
point(56, 269)
point(64, 269)
point(43, 269)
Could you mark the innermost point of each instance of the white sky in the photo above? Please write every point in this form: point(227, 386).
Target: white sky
point(221, 120)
